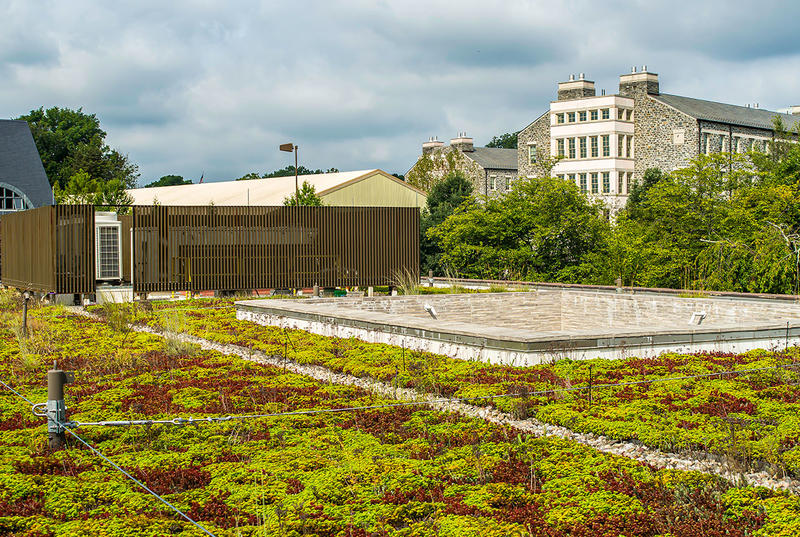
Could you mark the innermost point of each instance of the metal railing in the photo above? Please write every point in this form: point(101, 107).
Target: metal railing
point(241, 248)
point(49, 249)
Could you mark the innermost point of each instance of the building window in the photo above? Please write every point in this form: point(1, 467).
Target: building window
point(593, 115)
point(584, 188)
point(704, 144)
point(606, 182)
point(737, 144)
point(629, 146)
point(560, 118)
point(571, 177)
point(594, 146)
point(571, 147)
point(582, 115)
point(594, 183)
point(620, 145)
point(629, 115)
point(583, 147)
point(560, 147)
point(628, 182)
point(571, 117)
point(620, 113)
point(11, 200)
point(532, 153)
point(620, 179)
point(605, 113)
point(606, 145)
point(492, 183)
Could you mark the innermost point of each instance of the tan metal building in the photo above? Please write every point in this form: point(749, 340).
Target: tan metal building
point(362, 188)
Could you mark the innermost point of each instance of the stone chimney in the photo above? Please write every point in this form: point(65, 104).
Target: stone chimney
point(638, 83)
point(575, 89)
point(795, 110)
point(462, 142)
point(429, 146)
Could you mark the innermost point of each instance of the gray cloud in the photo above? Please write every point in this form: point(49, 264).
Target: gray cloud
point(191, 86)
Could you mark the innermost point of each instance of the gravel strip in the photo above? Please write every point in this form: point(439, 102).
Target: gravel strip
point(690, 461)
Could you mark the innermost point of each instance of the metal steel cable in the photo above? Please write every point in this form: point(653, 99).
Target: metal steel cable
point(116, 466)
point(129, 476)
point(18, 394)
point(465, 400)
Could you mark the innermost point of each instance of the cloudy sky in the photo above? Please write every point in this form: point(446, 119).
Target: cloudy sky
point(185, 87)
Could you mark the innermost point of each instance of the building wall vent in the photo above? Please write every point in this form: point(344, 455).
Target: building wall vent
point(108, 247)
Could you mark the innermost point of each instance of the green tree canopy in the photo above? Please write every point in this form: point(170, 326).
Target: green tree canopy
point(169, 180)
point(82, 188)
point(285, 172)
point(443, 199)
point(506, 141)
point(542, 229)
point(307, 196)
point(639, 191)
point(71, 142)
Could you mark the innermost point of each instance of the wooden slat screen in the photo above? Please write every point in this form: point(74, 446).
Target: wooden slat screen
point(49, 249)
point(240, 248)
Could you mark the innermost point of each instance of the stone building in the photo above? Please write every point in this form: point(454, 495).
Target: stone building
point(606, 142)
point(490, 169)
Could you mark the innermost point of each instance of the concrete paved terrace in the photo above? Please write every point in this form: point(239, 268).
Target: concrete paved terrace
point(526, 328)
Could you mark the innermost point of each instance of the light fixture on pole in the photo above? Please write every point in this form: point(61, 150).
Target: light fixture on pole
point(289, 148)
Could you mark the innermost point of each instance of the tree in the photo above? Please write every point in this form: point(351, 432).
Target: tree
point(399, 176)
point(169, 180)
point(286, 172)
point(443, 199)
point(83, 189)
point(71, 141)
point(638, 193)
point(506, 141)
point(251, 175)
point(307, 196)
point(542, 229)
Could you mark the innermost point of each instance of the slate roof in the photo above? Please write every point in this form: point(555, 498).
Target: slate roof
point(20, 164)
point(494, 157)
point(726, 113)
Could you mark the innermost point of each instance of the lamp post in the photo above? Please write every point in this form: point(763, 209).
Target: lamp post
point(289, 148)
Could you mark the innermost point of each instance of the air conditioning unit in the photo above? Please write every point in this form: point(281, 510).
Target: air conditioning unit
point(108, 246)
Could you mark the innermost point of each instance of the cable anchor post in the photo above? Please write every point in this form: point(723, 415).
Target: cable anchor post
point(56, 409)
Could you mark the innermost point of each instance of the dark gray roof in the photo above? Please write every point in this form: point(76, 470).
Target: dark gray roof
point(20, 165)
point(494, 157)
point(726, 113)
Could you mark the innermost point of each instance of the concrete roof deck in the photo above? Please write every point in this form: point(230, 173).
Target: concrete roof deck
point(576, 319)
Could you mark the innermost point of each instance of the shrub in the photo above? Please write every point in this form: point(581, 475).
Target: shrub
point(174, 342)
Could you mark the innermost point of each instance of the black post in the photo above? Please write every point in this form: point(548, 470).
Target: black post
point(56, 409)
point(25, 297)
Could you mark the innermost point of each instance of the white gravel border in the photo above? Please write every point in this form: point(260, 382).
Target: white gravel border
point(691, 461)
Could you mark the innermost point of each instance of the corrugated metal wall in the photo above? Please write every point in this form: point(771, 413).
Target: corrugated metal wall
point(49, 249)
point(238, 248)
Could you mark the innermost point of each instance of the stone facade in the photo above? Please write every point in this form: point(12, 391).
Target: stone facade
point(663, 137)
point(489, 169)
point(644, 129)
point(538, 134)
